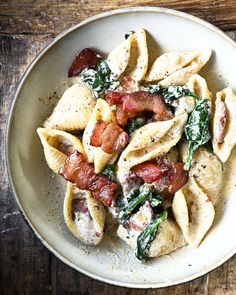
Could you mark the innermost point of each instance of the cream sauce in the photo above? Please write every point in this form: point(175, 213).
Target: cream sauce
point(84, 223)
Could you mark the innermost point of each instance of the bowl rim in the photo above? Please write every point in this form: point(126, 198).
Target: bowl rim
point(11, 109)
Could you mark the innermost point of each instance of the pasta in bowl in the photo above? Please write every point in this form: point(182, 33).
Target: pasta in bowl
point(66, 218)
point(141, 143)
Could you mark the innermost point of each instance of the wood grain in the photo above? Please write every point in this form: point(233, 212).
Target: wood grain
point(26, 266)
point(24, 262)
point(51, 17)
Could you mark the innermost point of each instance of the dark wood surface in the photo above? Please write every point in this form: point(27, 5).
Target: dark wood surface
point(26, 266)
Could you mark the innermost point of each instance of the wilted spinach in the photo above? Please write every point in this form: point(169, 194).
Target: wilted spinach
point(173, 93)
point(170, 94)
point(127, 205)
point(99, 80)
point(134, 199)
point(109, 171)
point(147, 235)
point(197, 129)
point(152, 88)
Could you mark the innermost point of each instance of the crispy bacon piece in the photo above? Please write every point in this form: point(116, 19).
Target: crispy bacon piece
point(143, 101)
point(86, 58)
point(149, 171)
point(110, 137)
point(78, 171)
point(114, 97)
point(178, 177)
point(96, 138)
point(121, 116)
point(167, 177)
point(130, 104)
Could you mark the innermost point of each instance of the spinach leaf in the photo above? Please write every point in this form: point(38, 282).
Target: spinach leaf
point(127, 205)
point(134, 200)
point(99, 80)
point(170, 94)
point(156, 200)
point(134, 124)
point(152, 88)
point(173, 93)
point(197, 129)
point(122, 201)
point(109, 171)
point(147, 235)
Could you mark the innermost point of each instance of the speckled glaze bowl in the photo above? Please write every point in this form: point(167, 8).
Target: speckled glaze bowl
point(40, 194)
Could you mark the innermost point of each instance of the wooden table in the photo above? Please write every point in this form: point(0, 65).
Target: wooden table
point(26, 266)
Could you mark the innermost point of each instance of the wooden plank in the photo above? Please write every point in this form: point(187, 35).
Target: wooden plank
point(51, 17)
point(24, 262)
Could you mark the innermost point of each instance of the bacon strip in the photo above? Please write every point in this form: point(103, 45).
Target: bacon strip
point(149, 171)
point(96, 138)
point(131, 104)
point(86, 58)
point(110, 137)
point(167, 177)
point(78, 171)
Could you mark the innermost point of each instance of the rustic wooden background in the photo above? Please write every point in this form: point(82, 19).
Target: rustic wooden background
point(26, 266)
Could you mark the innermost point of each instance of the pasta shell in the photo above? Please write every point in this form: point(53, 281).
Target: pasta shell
point(85, 226)
point(197, 85)
point(223, 150)
point(118, 59)
point(169, 238)
point(207, 171)
point(96, 155)
point(73, 109)
point(193, 211)
point(168, 63)
point(152, 140)
point(181, 76)
point(57, 144)
point(138, 61)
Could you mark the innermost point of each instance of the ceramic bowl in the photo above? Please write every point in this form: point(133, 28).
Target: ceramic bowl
point(40, 194)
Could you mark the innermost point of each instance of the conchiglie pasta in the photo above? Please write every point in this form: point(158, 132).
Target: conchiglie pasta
point(207, 171)
point(152, 140)
point(96, 155)
point(138, 61)
point(84, 215)
point(224, 147)
point(73, 109)
point(119, 57)
point(193, 211)
point(168, 238)
point(168, 63)
point(198, 86)
point(181, 76)
point(57, 145)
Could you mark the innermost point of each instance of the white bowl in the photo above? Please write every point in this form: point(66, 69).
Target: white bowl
point(40, 195)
